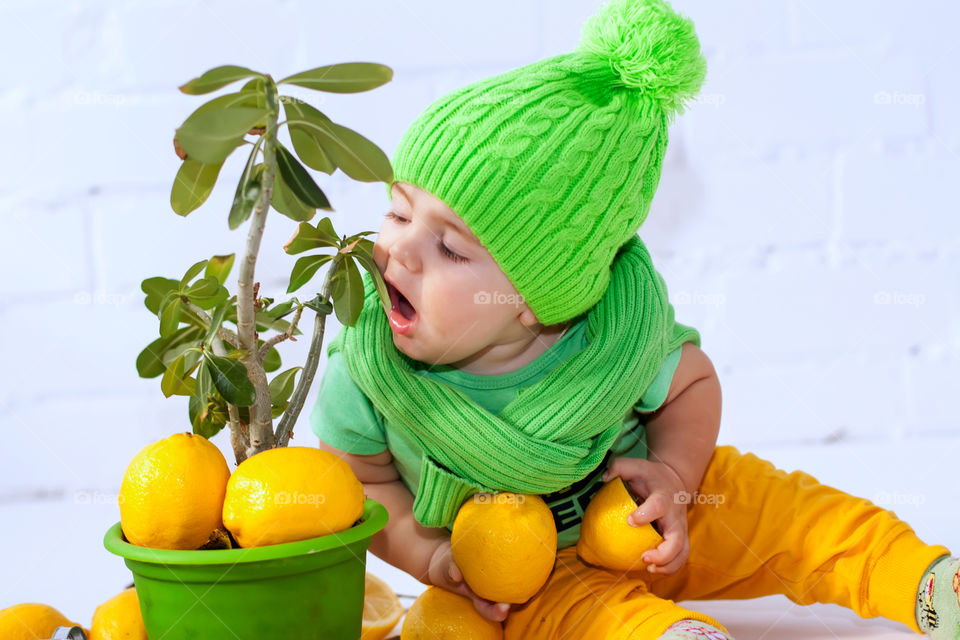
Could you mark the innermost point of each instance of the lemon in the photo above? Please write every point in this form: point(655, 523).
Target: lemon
point(291, 493)
point(31, 620)
point(505, 544)
point(381, 609)
point(439, 614)
point(606, 539)
point(171, 496)
point(118, 618)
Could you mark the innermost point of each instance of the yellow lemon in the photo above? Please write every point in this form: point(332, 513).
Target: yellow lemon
point(291, 493)
point(119, 618)
point(605, 537)
point(31, 620)
point(381, 609)
point(505, 544)
point(439, 614)
point(171, 496)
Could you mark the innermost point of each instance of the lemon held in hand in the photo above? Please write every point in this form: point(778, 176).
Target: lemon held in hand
point(172, 492)
point(605, 537)
point(505, 544)
point(291, 493)
point(118, 618)
point(439, 614)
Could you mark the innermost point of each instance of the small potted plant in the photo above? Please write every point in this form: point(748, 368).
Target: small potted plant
point(224, 371)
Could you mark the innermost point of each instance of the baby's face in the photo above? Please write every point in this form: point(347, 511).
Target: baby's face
point(463, 305)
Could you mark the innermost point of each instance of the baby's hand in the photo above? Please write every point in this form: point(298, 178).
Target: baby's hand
point(659, 486)
point(445, 573)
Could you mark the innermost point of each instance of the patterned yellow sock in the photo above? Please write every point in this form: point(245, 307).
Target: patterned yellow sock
point(938, 599)
point(693, 630)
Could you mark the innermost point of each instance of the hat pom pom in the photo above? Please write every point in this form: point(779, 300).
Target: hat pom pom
point(650, 47)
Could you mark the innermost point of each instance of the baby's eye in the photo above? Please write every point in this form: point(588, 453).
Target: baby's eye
point(393, 216)
point(450, 254)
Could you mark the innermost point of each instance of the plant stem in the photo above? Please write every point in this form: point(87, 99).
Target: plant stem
point(261, 420)
point(289, 419)
point(286, 335)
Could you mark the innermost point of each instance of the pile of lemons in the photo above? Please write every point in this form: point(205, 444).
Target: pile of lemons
point(178, 493)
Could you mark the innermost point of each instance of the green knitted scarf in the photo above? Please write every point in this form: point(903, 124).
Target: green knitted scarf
point(554, 432)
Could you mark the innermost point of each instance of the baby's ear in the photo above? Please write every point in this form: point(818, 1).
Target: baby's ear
point(527, 317)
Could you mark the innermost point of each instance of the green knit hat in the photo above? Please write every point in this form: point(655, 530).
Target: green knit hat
point(553, 165)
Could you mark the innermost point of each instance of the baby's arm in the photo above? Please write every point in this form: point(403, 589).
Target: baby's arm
point(681, 436)
point(423, 552)
point(682, 433)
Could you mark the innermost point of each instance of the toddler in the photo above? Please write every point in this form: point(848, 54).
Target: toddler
point(531, 348)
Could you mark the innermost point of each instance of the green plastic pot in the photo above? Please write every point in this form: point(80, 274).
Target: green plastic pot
point(305, 589)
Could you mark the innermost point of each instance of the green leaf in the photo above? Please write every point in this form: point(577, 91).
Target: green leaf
point(248, 191)
point(156, 289)
point(216, 320)
point(206, 409)
point(363, 251)
point(176, 379)
point(304, 270)
point(150, 363)
point(193, 185)
point(307, 147)
point(192, 272)
point(320, 305)
point(282, 309)
point(271, 362)
point(219, 267)
point(282, 385)
point(230, 378)
point(349, 77)
point(347, 292)
point(216, 78)
point(170, 318)
point(211, 136)
point(258, 89)
point(299, 181)
point(242, 98)
point(287, 203)
point(357, 156)
point(308, 237)
point(207, 293)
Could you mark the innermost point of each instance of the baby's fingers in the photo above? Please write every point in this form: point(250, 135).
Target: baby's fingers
point(672, 552)
point(651, 509)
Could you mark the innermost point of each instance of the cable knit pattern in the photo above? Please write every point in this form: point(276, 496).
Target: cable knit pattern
point(554, 165)
point(554, 432)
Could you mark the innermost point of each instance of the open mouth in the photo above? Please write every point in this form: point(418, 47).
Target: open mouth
point(400, 303)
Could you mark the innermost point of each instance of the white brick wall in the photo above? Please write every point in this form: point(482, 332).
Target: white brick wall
point(807, 221)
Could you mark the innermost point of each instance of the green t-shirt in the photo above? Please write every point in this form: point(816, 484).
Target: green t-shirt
point(344, 418)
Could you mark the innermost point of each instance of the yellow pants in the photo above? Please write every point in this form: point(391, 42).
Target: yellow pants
point(755, 530)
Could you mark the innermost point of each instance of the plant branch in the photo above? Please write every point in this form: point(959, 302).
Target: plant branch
point(286, 335)
point(261, 419)
point(285, 428)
